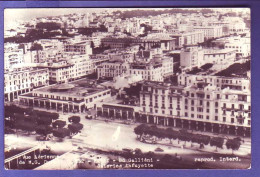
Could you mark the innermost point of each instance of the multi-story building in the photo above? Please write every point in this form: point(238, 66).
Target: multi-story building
point(194, 56)
point(13, 58)
point(71, 68)
point(242, 46)
point(210, 31)
point(147, 43)
point(78, 47)
point(198, 107)
point(77, 96)
point(35, 56)
point(188, 38)
point(112, 69)
point(234, 83)
point(191, 57)
point(223, 57)
point(151, 71)
point(22, 80)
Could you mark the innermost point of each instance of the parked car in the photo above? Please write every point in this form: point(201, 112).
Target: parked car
point(158, 149)
point(89, 117)
point(41, 138)
point(127, 150)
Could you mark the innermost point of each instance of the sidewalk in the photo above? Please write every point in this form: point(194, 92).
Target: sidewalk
point(244, 150)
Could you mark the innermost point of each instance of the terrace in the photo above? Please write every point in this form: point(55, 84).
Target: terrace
point(79, 88)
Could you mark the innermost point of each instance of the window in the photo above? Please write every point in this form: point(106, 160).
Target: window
point(216, 104)
point(207, 103)
point(143, 109)
point(218, 96)
point(224, 119)
point(163, 106)
point(192, 115)
point(170, 112)
point(151, 110)
point(232, 120)
point(216, 110)
point(207, 117)
point(216, 117)
point(208, 96)
point(249, 122)
point(163, 112)
point(207, 110)
point(192, 102)
point(192, 108)
point(192, 95)
point(186, 114)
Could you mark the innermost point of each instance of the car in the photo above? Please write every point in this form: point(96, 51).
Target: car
point(41, 138)
point(127, 150)
point(126, 122)
point(158, 149)
point(89, 117)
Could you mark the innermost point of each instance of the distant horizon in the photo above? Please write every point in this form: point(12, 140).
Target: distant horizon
point(25, 14)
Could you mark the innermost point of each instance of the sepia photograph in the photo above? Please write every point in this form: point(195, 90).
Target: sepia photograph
point(127, 88)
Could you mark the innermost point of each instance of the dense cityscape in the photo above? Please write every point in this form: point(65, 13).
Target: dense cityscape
point(128, 89)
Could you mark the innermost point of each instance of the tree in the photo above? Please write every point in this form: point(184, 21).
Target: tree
point(74, 119)
point(36, 46)
point(27, 126)
point(217, 141)
point(140, 129)
point(44, 121)
point(61, 133)
point(233, 144)
point(43, 129)
point(185, 137)
point(75, 127)
point(168, 133)
point(138, 152)
point(53, 116)
point(58, 124)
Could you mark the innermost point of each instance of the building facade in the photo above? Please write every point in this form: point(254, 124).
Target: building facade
point(199, 107)
point(24, 80)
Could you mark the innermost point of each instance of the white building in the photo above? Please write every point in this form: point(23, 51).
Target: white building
point(197, 107)
point(23, 80)
point(242, 45)
point(210, 31)
point(13, 58)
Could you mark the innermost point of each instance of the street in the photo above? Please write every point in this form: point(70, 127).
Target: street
point(98, 134)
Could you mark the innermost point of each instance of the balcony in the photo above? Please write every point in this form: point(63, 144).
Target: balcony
point(240, 117)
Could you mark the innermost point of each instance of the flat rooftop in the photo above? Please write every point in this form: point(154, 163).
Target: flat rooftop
point(79, 88)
